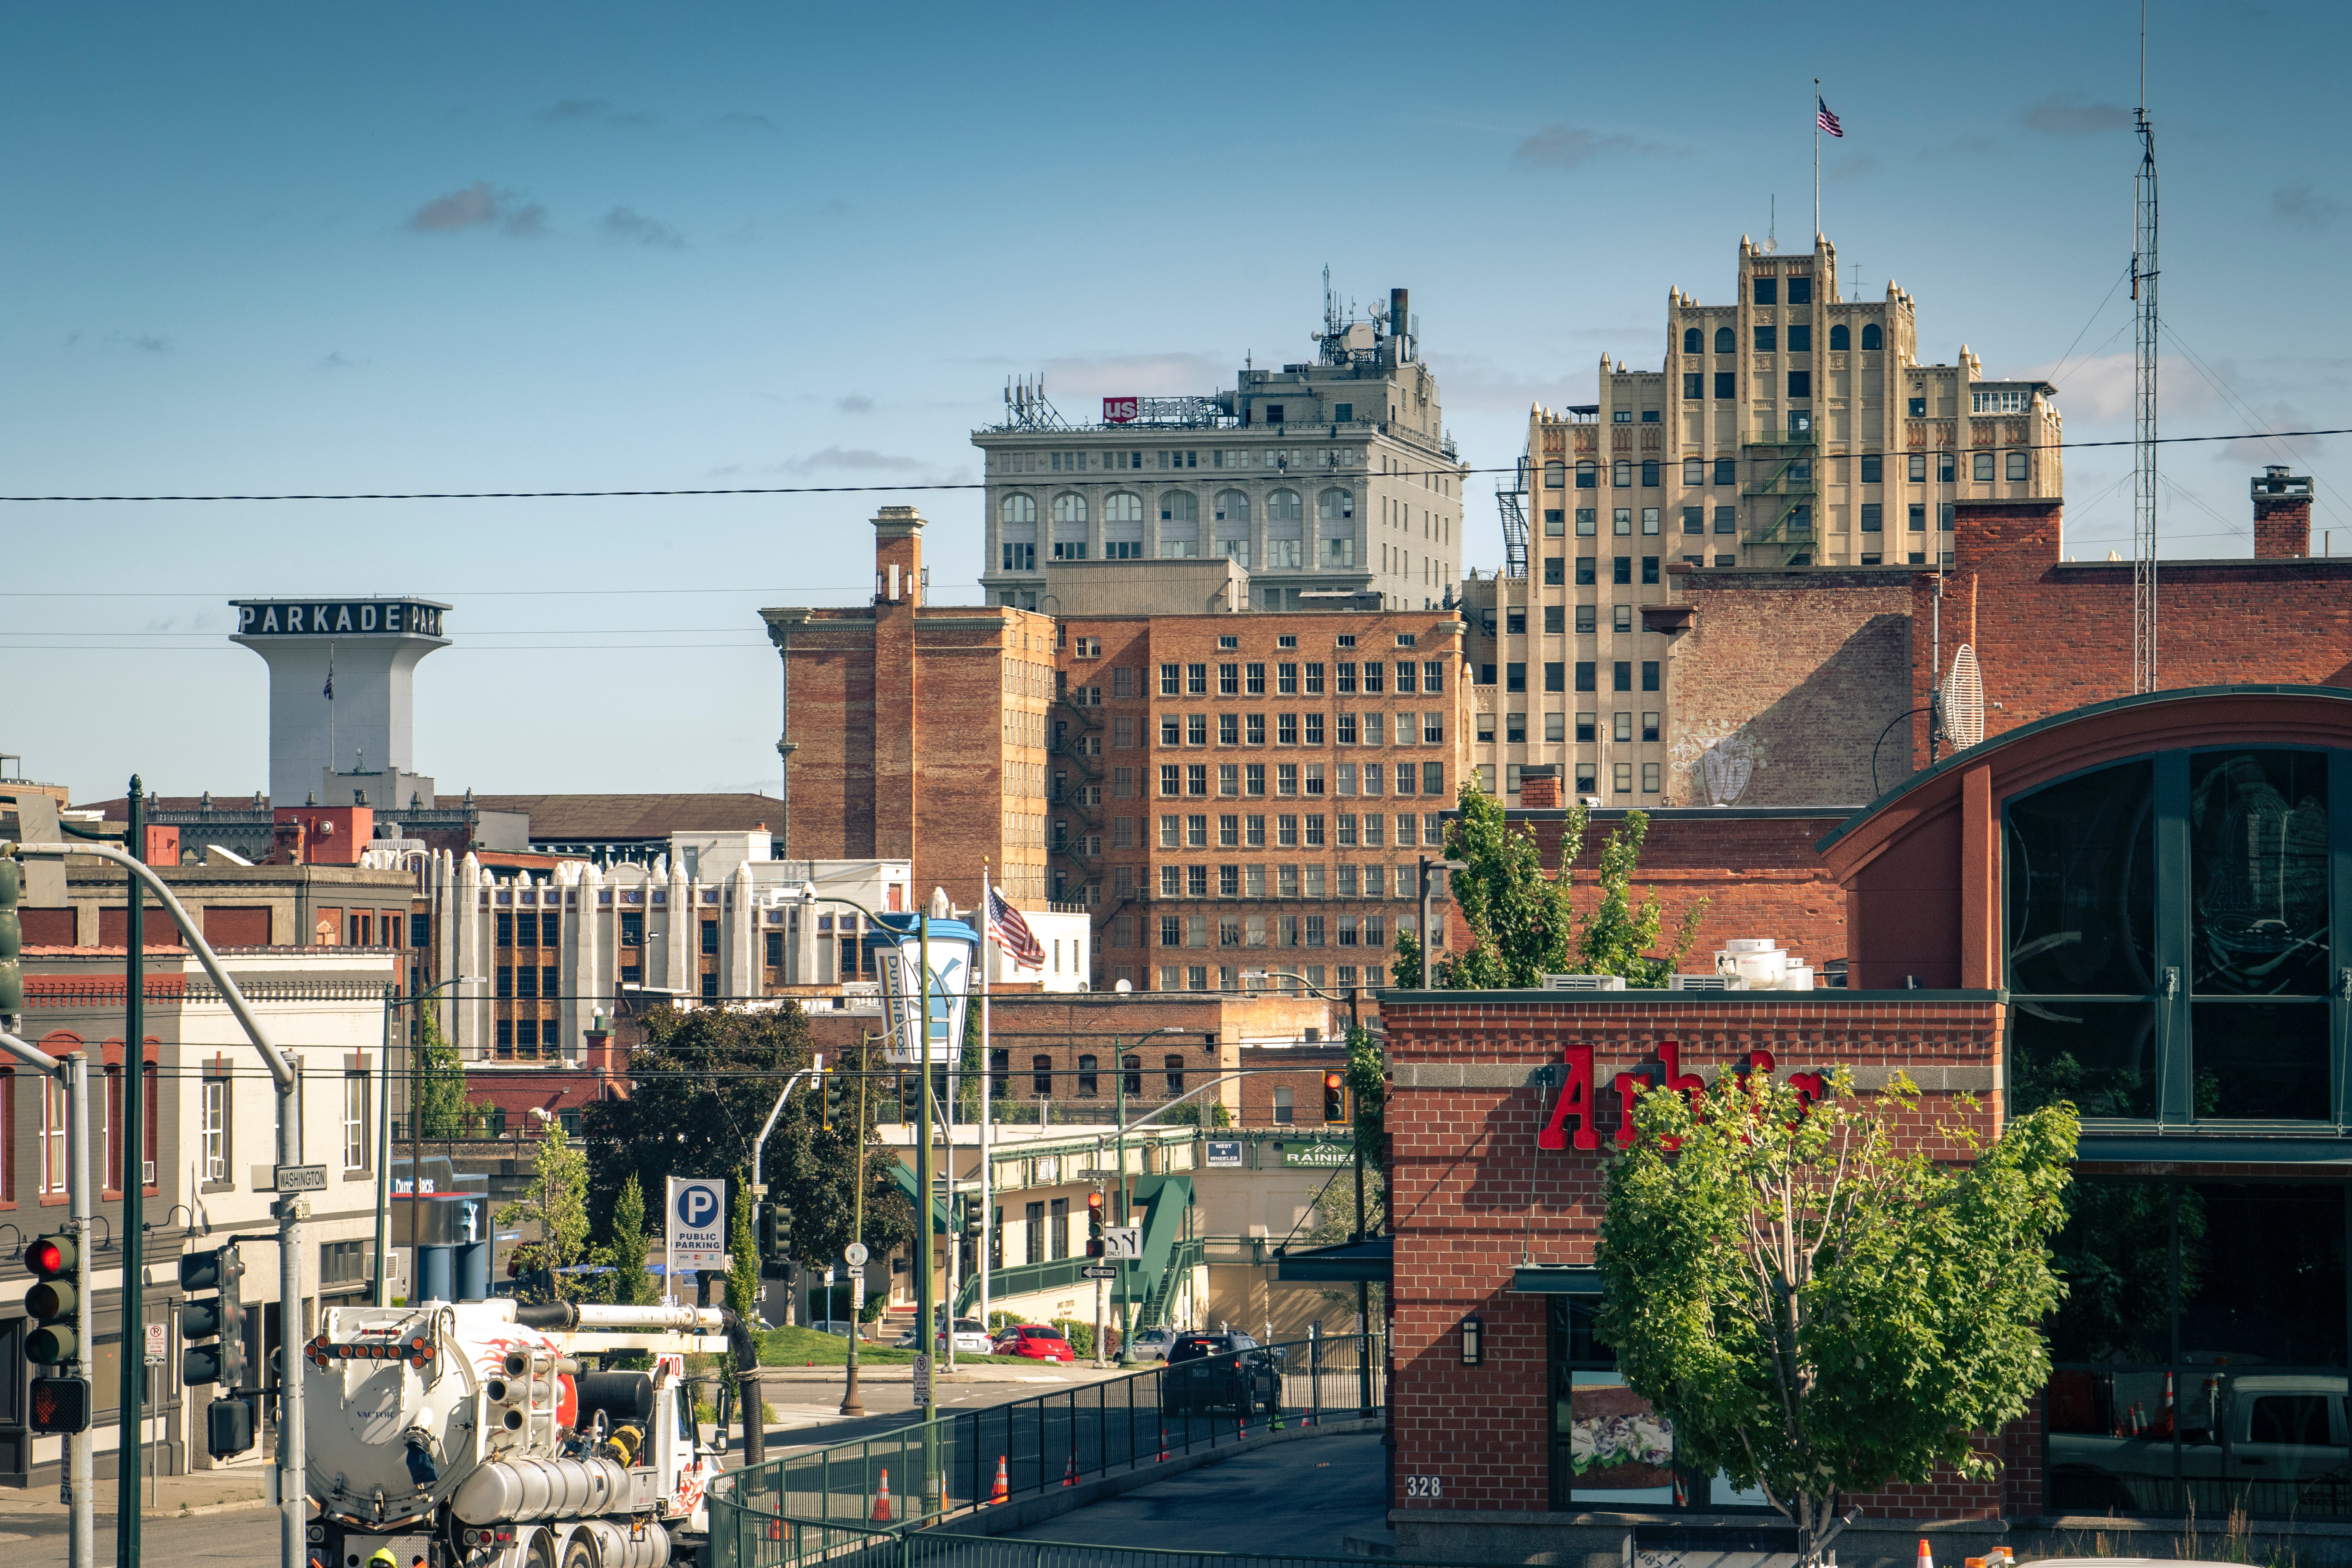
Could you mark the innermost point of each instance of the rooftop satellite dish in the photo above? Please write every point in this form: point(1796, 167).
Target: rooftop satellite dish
point(1963, 700)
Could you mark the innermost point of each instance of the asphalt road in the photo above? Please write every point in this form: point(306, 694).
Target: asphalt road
point(1296, 1498)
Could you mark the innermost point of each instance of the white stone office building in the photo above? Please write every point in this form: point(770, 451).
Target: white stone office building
point(1323, 480)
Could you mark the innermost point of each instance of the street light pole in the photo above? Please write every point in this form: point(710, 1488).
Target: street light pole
point(393, 1001)
point(1428, 945)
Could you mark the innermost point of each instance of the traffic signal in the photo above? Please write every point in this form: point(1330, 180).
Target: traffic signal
point(838, 1089)
point(1094, 1225)
point(1335, 1097)
point(971, 1216)
point(58, 1405)
point(775, 1231)
point(218, 1317)
point(55, 1265)
point(12, 939)
point(228, 1427)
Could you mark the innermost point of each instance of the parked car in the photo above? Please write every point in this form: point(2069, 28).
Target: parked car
point(1035, 1341)
point(970, 1338)
point(1221, 1371)
point(1151, 1345)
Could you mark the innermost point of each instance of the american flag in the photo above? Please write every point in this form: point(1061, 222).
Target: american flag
point(1824, 119)
point(1012, 933)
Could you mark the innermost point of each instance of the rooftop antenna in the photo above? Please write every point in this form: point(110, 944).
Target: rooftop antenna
point(1772, 236)
point(2144, 271)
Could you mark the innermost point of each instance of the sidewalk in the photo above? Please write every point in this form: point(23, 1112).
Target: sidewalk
point(206, 1491)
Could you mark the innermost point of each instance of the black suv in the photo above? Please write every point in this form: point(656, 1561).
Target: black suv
point(1228, 1371)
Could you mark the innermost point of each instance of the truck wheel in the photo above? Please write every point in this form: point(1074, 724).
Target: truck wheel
point(578, 1552)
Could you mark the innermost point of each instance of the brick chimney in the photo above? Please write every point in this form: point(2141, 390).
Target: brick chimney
point(1539, 787)
point(897, 556)
point(2281, 514)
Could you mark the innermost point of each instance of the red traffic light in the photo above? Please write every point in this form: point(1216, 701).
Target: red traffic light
point(1094, 1202)
point(50, 1255)
point(1335, 1097)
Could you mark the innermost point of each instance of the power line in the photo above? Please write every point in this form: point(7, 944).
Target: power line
point(1302, 476)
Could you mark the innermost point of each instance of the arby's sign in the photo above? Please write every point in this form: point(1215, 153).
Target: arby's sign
point(1579, 1093)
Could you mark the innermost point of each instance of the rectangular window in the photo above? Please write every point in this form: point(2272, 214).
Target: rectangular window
point(1622, 524)
point(1171, 780)
point(1229, 881)
point(1873, 518)
point(1515, 678)
point(1553, 673)
point(1584, 619)
point(1693, 519)
point(1945, 466)
point(1622, 676)
point(1344, 675)
point(1196, 831)
point(1196, 778)
point(1286, 679)
point(1649, 569)
point(1229, 730)
point(1196, 882)
point(1171, 683)
point(1253, 681)
point(1984, 467)
point(1623, 775)
point(1555, 571)
point(1196, 681)
point(1314, 678)
point(1873, 465)
point(1694, 385)
point(1650, 778)
point(1767, 290)
point(1286, 778)
point(1371, 680)
point(1649, 726)
point(355, 1105)
point(1918, 519)
point(1727, 521)
point(1314, 729)
point(213, 1132)
point(1650, 674)
point(1800, 384)
point(1766, 338)
point(1726, 384)
point(1585, 674)
point(1588, 521)
point(2016, 466)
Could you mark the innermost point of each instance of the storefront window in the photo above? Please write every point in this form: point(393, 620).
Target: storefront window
point(2170, 945)
point(2200, 1353)
point(1609, 1448)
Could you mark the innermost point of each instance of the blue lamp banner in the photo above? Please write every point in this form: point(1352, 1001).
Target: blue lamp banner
point(897, 946)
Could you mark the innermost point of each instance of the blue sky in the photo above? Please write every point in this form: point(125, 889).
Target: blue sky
point(460, 248)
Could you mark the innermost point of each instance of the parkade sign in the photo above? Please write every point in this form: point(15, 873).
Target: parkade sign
point(338, 617)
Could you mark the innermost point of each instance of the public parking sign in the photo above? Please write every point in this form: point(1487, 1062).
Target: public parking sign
point(698, 1222)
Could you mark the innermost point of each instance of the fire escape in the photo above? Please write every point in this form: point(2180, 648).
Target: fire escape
point(1077, 789)
point(1783, 489)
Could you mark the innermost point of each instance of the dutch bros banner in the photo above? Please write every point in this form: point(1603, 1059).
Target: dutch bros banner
point(895, 943)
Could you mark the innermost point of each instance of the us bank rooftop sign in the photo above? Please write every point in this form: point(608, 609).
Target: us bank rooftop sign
point(338, 617)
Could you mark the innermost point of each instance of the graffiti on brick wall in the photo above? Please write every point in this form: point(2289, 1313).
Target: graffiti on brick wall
point(1719, 761)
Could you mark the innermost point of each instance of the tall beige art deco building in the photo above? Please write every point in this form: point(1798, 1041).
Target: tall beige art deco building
point(1788, 431)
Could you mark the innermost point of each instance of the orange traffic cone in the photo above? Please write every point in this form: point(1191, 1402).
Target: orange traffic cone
point(1070, 1475)
point(1163, 1442)
point(1926, 1558)
point(1003, 1492)
point(882, 1502)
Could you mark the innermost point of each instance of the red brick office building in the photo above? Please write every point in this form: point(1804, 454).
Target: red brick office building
point(2139, 906)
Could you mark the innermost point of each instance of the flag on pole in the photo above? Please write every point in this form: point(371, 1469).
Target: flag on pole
point(1012, 933)
point(1824, 119)
point(329, 693)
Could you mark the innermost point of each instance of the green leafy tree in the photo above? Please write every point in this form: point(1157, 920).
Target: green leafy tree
point(1368, 1091)
point(1521, 925)
point(556, 1201)
point(630, 1284)
point(1813, 1312)
point(441, 1107)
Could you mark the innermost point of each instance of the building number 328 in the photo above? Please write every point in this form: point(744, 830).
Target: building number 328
point(1423, 1486)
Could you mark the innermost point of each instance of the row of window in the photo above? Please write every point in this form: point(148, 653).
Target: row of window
point(1725, 472)
point(1299, 729)
point(1234, 779)
point(215, 1126)
point(1588, 676)
point(1588, 777)
point(532, 981)
point(1801, 337)
point(1555, 570)
point(533, 930)
point(1278, 458)
point(1726, 384)
point(1350, 881)
point(1233, 830)
point(1274, 930)
point(1248, 680)
point(1281, 555)
point(1588, 729)
point(1195, 977)
point(1333, 505)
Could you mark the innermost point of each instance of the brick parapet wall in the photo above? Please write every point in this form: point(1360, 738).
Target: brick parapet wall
point(1473, 1198)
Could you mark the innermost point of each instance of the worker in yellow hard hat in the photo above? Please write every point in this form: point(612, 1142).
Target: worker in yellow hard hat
point(384, 1559)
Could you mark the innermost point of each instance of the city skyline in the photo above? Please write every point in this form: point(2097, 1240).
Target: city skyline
point(460, 254)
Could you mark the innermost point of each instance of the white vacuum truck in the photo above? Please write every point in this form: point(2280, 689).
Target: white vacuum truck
point(486, 1434)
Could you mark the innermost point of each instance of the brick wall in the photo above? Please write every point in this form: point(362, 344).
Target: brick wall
point(1760, 875)
point(2281, 527)
point(2049, 636)
point(1783, 683)
point(1473, 1196)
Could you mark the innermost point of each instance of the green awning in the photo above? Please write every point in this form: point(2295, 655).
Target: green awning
point(1348, 1263)
point(1555, 1279)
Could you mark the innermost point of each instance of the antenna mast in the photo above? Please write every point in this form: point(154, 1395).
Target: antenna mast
point(2144, 277)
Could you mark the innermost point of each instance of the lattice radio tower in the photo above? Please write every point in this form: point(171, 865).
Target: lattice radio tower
point(2144, 279)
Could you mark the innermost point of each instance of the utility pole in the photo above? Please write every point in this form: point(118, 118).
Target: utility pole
point(2145, 327)
point(132, 1426)
point(856, 1256)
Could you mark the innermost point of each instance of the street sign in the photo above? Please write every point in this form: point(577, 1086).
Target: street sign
point(922, 1379)
point(1124, 1241)
point(1099, 1271)
point(156, 1344)
point(301, 1178)
point(698, 1222)
point(856, 1253)
point(1225, 1152)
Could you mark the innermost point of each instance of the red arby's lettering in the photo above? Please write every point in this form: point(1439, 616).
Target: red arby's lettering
point(1578, 1097)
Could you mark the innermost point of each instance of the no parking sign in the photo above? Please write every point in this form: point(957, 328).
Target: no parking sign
point(698, 1222)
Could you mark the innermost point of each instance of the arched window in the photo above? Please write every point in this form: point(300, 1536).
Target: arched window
point(1282, 506)
point(1693, 341)
point(1017, 508)
point(1870, 334)
point(1587, 474)
point(1088, 1085)
point(1178, 506)
point(1556, 475)
point(1041, 1076)
point(1838, 336)
point(1069, 506)
point(1232, 505)
point(1123, 506)
point(1723, 340)
point(1336, 505)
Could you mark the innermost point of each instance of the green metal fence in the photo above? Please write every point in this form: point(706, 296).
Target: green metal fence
point(840, 1546)
point(843, 1502)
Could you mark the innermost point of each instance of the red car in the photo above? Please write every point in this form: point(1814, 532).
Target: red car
point(1038, 1341)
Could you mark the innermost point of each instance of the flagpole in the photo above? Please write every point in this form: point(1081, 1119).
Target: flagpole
point(1817, 163)
point(987, 1082)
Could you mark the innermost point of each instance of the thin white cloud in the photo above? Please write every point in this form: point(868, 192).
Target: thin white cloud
point(479, 205)
point(1561, 145)
point(2299, 207)
point(630, 226)
point(2068, 114)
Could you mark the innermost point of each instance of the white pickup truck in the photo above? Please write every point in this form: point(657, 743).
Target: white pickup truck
point(2269, 1443)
